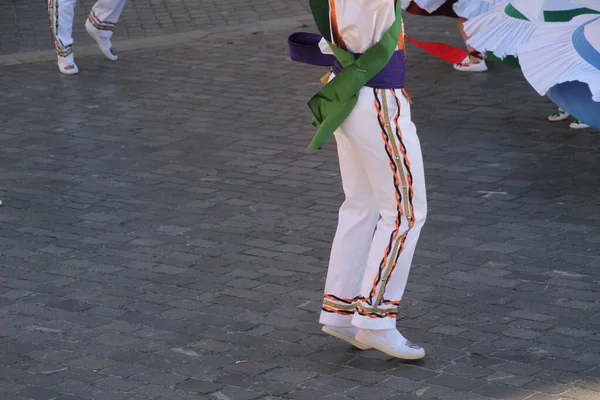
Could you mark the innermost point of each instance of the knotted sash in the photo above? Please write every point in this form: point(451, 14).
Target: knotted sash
point(336, 100)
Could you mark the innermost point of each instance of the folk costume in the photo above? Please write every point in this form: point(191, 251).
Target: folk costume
point(364, 105)
point(562, 61)
point(100, 24)
point(555, 42)
point(501, 31)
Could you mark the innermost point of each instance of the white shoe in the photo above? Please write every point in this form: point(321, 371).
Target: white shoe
point(67, 65)
point(391, 342)
point(104, 43)
point(559, 115)
point(577, 124)
point(345, 333)
point(468, 66)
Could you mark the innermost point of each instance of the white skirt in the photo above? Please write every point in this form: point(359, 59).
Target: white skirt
point(550, 57)
point(498, 32)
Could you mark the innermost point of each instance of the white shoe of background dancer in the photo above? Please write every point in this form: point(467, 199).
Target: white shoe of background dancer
point(559, 115)
point(469, 66)
point(391, 342)
point(577, 124)
point(480, 66)
point(104, 43)
point(346, 334)
point(67, 65)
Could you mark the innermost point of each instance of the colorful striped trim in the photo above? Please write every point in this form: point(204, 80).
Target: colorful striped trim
point(403, 185)
point(99, 24)
point(375, 305)
point(358, 305)
point(407, 180)
point(335, 31)
point(61, 49)
point(396, 241)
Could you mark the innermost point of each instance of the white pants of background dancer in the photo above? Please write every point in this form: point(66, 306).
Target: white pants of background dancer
point(381, 219)
point(100, 24)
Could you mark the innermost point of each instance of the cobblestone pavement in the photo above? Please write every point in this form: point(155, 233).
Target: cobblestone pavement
point(165, 234)
point(24, 24)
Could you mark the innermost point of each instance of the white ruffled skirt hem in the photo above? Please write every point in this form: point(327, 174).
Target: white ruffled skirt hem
point(550, 58)
point(499, 33)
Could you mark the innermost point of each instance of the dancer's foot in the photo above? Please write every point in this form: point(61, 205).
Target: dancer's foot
point(104, 43)
point(345, 333)
point(474, 62)
point(391, 342)
point(577, 124)
point(559, 115)
point(67, 65)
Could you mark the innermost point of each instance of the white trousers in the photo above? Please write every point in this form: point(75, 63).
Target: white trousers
point(381, 218)
point(103, 18)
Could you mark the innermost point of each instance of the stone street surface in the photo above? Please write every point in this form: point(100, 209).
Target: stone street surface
point(165, 231)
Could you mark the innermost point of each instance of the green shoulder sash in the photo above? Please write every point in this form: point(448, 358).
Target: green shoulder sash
point(336, 100)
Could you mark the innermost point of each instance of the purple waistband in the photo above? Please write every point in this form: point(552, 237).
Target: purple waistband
point(390, 77)
point(304, 48)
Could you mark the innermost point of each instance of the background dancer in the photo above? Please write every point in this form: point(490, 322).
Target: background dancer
point(462, 10)
point(508, 30)
point(100, 25)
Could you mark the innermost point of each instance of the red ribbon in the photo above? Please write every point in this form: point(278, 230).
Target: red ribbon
point(443, 51)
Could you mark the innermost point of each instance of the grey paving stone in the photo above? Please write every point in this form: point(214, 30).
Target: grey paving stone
point(546, 386)
point(455, 382)
point(38, 393)
point(91, 363)
point(236, 393)
point(581, 394)
point(199, 386)
point(500, 391)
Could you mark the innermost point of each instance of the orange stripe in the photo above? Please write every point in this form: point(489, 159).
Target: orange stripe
point(333, 310)
point(398, 200)
point(360, 297)
point(401, 38)
point(407, 162)
point(340, 298)
point(405, 93)
point(382, 121)
point(370, 315)
point(335, 31)
point(400, 250)
point(402, 149)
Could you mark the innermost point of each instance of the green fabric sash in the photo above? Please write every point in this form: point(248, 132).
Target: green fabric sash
point(336, 100)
